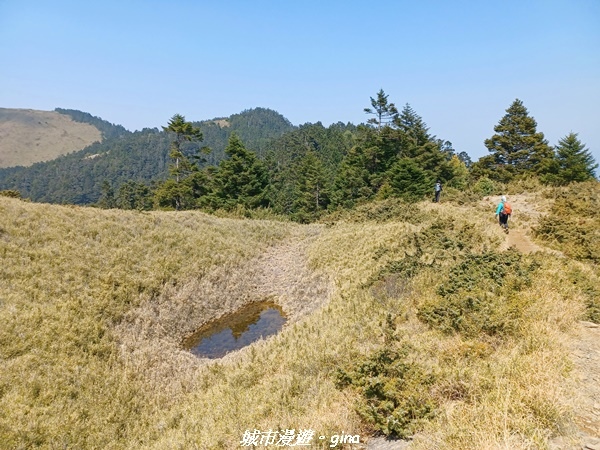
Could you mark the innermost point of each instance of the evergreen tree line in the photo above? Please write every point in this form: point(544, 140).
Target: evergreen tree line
point(313, 169)
point(107, 129)
point(518, 150)
point(124, 157)
point(257, 159)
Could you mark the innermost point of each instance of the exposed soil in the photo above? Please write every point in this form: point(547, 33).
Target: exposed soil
point(584, 344)
point(156, 330)
point(283, 273)
point(585, 347)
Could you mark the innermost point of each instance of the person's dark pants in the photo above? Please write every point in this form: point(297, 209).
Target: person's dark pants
point(503, 219)
point(437, 196)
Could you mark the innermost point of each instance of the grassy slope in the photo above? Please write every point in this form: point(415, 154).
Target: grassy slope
point(68, 275)
point(29, 136)
point(70, 376)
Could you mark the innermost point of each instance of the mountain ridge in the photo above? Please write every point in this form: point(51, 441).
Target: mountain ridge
point(29, 136)
point(140, 156)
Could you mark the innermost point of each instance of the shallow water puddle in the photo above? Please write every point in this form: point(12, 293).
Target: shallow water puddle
point(237, 330)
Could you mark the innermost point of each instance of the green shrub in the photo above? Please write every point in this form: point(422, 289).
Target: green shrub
point(572, 225)
point(523, 185)
point(480, 295)
point(460, 196)
point(484, 186)
point(390, 209)
point(395, 392)
point(10, 193)
point(442, 240)
point(409, 181)
point(591, 291)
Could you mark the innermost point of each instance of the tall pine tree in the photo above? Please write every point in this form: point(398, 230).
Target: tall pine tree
point(182, 131)
point(241, 179)
point(178, 191)
point(311, 193)
point(418, 144)
point(517, 148)
point(573, 162)
point(385, 113)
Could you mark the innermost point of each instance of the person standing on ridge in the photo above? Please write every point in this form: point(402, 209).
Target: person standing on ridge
point(502, 212)
point(438, 191)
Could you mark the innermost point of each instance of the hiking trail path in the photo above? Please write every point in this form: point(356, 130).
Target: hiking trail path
point(584, 344)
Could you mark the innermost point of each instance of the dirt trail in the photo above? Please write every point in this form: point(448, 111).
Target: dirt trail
point(519, 240)
point(282, 272)
point(585, 348)
point(584, 344)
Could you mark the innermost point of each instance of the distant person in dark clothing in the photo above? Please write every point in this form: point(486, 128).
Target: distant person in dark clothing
point(438, 191)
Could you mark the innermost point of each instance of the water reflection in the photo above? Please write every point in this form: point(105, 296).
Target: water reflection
point(237, 330)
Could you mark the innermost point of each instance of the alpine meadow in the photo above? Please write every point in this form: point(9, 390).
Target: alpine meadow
point(409, 323)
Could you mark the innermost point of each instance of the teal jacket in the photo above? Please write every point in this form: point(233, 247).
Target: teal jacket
point(500, 207)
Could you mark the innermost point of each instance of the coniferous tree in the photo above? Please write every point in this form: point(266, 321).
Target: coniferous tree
point(183, 166)
point(134, 195)
point(574, 162)
point(465, 158)
point(409, 181)
point(459, 173)
point(415, 142)
point(363, 169)
point(353, 182)
point(241, 179)
point(383, 156)
point(311, 188)
point(107, 197)
point(385, 113)
point(517, 148)
point(329, 145)
point(414, 131)
point(182, 131)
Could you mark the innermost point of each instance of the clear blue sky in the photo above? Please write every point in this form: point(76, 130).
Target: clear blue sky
point(459, 64)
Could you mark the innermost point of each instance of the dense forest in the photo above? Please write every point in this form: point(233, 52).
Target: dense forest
point(258, 159)
point(137, 158)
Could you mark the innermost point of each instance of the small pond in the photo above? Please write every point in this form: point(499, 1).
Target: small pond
point(237, 330)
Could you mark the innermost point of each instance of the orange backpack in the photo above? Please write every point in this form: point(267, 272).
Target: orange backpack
point(506, 209)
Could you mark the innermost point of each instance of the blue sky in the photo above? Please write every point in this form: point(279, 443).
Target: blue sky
point(459, 64)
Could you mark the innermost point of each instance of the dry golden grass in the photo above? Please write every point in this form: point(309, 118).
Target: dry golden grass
point(30, 136)
point(94, 305)
point(69, 277)
point(512, 394)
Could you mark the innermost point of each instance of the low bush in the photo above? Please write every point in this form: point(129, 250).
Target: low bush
point(10, 193)
point(484, 186)
point(395, 393)
point(380, 211)
point(437, 244)
point(461, 196)
point(572, 225)
point(524, 185)
point(590, 288)
point(480, 295)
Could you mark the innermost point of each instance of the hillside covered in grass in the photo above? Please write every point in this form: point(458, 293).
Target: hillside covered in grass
point(408, 320)
point(29, 136)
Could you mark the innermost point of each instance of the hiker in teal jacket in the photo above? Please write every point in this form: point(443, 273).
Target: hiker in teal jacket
point(502, 214)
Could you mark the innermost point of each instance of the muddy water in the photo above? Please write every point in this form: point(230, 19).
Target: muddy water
point(237, 330)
